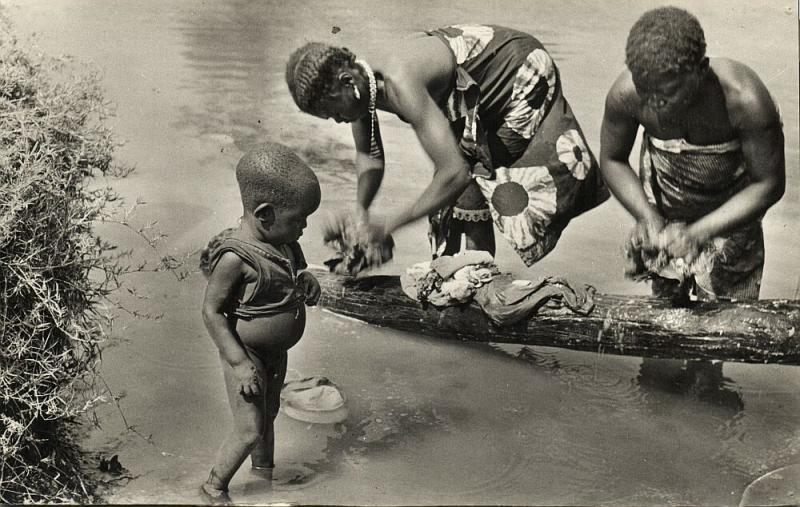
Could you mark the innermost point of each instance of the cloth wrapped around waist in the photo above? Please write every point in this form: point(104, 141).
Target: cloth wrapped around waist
point(687, 181)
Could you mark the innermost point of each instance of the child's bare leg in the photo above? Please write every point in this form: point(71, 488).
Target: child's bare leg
point(248, 423)
point(262, 456)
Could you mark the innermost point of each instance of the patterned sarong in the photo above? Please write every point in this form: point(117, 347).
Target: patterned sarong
point(532, 169)
point(686, 182)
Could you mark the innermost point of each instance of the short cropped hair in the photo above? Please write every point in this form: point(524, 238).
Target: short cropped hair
point(664, 41)
point(274, 174)
point(312, 69)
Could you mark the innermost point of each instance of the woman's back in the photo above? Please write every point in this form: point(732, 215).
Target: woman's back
point(492, 56)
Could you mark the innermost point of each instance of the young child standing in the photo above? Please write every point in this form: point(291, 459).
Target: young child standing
point(254, 304)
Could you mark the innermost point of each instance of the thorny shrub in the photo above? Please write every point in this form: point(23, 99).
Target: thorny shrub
point(56, 274)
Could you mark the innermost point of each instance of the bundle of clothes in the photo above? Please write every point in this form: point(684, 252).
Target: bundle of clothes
point(473, 276)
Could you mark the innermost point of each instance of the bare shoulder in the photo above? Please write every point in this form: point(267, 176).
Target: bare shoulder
point(415, 57)
point(419, 66)
point(622, 98)
point(747, 99)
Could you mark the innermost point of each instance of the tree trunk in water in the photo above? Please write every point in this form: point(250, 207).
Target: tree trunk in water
point(755, 332)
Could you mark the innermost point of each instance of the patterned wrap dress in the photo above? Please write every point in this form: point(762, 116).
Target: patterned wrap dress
point(685, 182)
point(532, 169)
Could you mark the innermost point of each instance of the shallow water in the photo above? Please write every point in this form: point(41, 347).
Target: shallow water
point(431, 422)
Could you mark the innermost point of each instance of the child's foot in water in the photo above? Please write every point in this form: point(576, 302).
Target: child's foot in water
point(262, 472)
point(214, 496)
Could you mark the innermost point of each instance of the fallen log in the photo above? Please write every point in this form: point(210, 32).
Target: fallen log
point(763, 331)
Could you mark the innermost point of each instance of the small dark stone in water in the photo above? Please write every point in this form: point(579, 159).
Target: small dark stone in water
point(335, 30)
point(112, 465)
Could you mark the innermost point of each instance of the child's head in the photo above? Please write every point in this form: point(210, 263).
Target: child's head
point(278, 192)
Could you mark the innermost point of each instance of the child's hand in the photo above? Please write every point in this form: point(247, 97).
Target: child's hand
point(246, 375)
point(310, 286)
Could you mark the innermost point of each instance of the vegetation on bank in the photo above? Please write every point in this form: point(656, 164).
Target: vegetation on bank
point(55, 273)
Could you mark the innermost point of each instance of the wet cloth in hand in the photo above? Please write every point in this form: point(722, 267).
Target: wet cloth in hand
point(647, 256)
point(353, 253)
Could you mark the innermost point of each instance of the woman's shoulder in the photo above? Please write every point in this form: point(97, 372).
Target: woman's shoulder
point(747, 99)
point(413, 57)
point(622, 96)
point(422, 66)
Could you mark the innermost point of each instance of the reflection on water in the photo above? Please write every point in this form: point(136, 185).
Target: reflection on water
point(737, 426)
point(657, 385)
point(702, 380)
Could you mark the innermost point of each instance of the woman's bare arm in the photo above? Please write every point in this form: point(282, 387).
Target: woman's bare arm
point(412, 101)
point(369, 165)
point(618, 133)
point(757, 122)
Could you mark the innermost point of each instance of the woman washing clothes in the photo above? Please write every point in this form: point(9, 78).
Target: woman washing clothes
point(486, 104)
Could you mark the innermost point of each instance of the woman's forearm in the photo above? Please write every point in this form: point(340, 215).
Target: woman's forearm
point(627, 188)
point(369, 167)
point(445, 188)
point(747, 205)
point(370, 176)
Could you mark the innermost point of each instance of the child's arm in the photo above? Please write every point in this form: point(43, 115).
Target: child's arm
point(310, 286)
point(225, 279)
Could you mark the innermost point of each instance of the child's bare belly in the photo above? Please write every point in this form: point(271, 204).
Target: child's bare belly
point(276, 332)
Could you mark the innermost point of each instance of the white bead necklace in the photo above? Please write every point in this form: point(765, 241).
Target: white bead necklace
point(374, 149)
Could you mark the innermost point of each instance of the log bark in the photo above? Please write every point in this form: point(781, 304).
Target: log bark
point(766, 331)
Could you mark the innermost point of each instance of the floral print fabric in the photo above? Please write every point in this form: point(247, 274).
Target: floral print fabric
point(528, 155)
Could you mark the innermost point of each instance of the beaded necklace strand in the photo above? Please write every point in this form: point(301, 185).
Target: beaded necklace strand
point(374, 149)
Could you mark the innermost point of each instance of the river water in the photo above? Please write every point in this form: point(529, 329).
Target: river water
point(196, 82)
